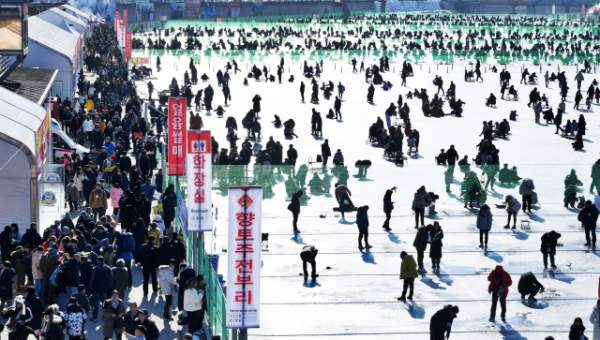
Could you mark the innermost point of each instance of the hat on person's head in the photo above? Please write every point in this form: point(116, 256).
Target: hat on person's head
point(20, 299)
point(145, 312)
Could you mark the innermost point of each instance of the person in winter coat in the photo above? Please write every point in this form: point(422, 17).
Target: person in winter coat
point(113, 310)
point(420, 244)
point(7, 278)
point(115, 196)
point(308, 255)
point(529, 285)
point(294, 207)
point(588, 216)
point(362, 221)
point(152, 332)
point(484, 224)
point(149, 260)
point(435, 250)
point(167, 284)
point(499, 282)
point(34, 303)
point(595, 186)
point(53, 324)
point(440, 325)
point(75, 320)
point(408, 273)
point(420, 201)
point(342, 196)
point(577, 330)
point(388, 206)
point(18, 315)
point(526, 191)
point(120, 278)
point(194, 302)
point(98, 201)
point(72, 194)
point(185, 274)
point(512, 208)
point(169, 202)
point(325, 152)
point(99, 287)
point(548, 247)
point(36, 273)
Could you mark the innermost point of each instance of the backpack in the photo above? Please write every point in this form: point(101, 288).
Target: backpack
point(54, 277)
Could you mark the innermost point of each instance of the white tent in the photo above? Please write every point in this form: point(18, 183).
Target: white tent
point(20, 121)
point(46, 51)
point(64, 20)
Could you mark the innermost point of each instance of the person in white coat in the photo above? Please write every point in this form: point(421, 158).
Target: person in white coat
point(167, 283)
point(193, 304)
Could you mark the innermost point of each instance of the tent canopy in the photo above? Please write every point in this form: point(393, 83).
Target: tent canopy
point(47, 34)
point(20, 119)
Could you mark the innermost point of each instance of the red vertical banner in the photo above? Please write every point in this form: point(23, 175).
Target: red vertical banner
point(125, 18)
point(177, 136)
point(128, 38)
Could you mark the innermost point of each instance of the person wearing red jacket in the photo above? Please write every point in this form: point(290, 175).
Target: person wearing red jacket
point(499, 282)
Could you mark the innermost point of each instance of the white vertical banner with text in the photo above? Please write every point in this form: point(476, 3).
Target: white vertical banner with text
point(243, 280)
point(199, 181)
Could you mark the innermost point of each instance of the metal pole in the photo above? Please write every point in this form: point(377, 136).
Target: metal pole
point(243, 334)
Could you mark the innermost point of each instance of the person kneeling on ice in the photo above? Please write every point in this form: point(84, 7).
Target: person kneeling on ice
point(440, 325)
point(499, 282)
point(529, 285)
point(308, 255)
point(548, 247)
point(408, 273)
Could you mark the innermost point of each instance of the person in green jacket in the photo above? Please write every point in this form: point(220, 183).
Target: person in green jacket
point(408, 273)
point(595, 178)
point(572, 179)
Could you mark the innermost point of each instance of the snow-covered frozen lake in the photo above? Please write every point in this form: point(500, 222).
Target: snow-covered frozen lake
point(356, 297)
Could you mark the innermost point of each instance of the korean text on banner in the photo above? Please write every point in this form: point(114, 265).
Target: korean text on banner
point(199, 181)
point(177, 136)
point(244, 247)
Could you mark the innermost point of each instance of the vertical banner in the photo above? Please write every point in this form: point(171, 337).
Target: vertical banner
point(199, 181)
point(177, 136)
point(128, 41)
point(244, 246)
point(117, 20)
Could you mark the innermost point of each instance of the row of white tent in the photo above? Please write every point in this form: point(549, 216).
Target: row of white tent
point(56, 37)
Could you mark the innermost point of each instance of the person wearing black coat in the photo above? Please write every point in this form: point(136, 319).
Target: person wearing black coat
point(7, 244)
point(294, 207)
point(420, 244)
point(529, 285)
point(140, 234)
point(149, 261)
point(435, 250)
point(185, 274)
point(362, 221)
point(325, 152)
point(34, 303)
point(169, 202)
point(127, 210)
point(31, 238)
point(388, 206)
point(588, 216)
point(548, 247)
point(98, 285)
point(440, 325)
